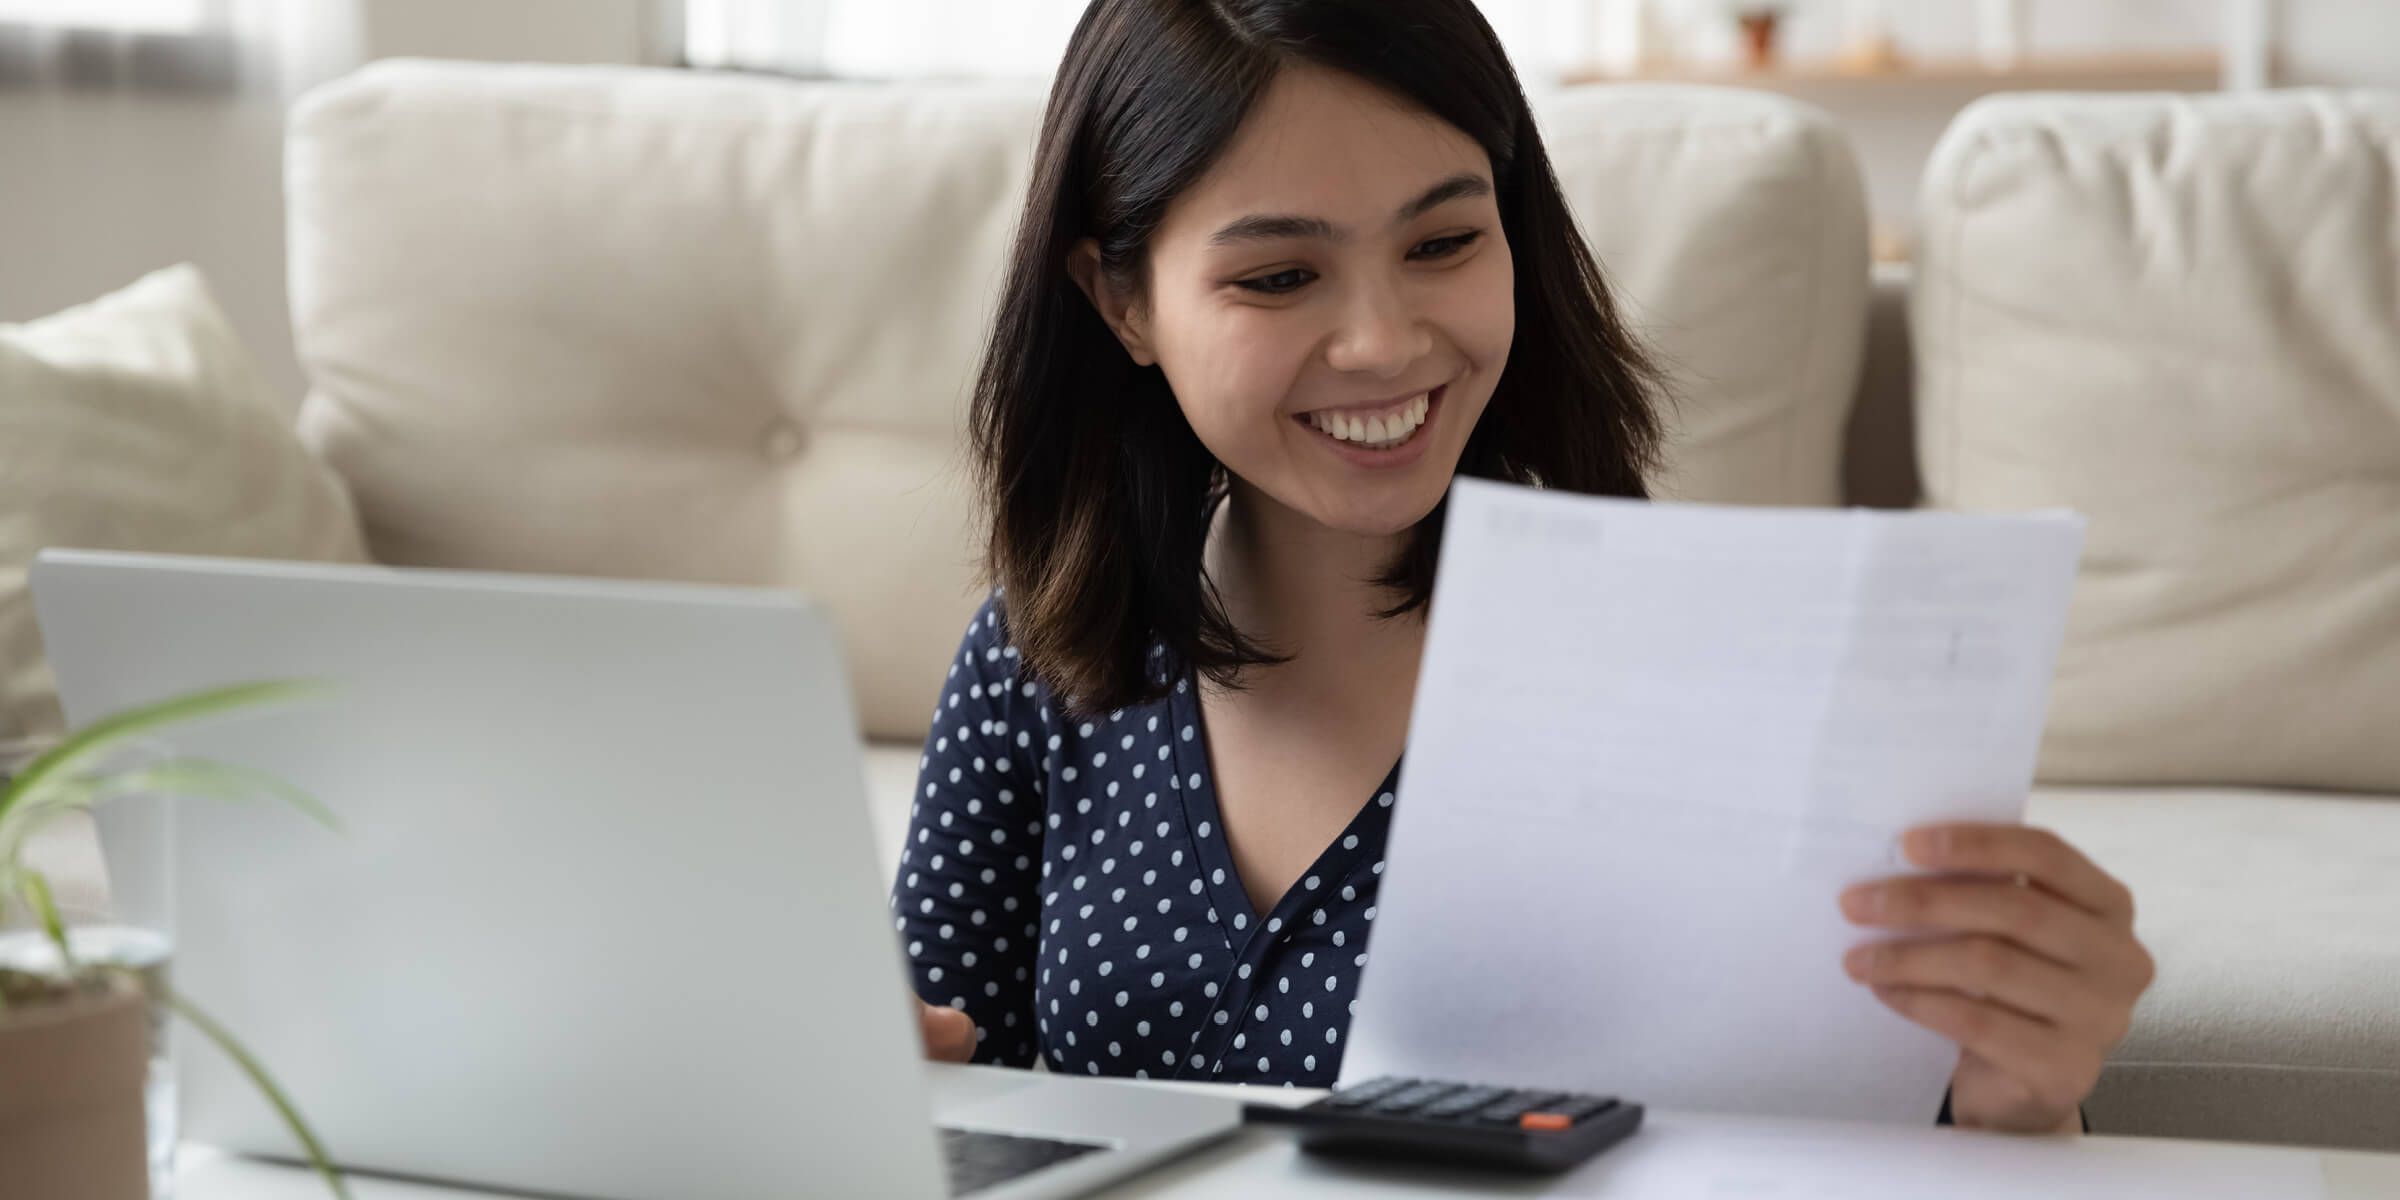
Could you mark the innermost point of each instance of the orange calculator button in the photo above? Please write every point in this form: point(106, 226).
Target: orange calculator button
point(1546, 1121)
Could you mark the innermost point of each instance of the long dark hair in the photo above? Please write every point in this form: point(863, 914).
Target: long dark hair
point(1097, 488)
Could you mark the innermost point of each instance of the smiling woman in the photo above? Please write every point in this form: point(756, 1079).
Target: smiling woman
point(1287, 267)
point(1260, 238)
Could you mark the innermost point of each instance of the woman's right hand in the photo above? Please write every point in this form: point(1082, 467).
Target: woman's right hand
point(948, 1034)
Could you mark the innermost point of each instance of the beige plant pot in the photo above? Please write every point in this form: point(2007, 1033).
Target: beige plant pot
point(71, 1073)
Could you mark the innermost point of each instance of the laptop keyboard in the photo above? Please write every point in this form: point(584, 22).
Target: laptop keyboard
point(979, 1160)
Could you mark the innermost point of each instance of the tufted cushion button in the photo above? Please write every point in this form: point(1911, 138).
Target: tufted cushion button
point(785, 440)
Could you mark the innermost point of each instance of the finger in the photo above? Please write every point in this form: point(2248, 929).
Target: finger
point(1986, 968)
point(2059, 1071)
point(2041, 856)
point(948, 1034)
point(2033, 919)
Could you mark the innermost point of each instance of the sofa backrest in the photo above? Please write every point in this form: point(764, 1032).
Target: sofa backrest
point(665, 324)
point(2181, 316)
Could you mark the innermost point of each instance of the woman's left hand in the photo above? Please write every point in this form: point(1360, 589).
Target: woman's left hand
point(2022, 952)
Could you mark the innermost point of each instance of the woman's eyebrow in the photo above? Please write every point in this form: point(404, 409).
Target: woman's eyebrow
point(1463, 184)
point(1263, 226)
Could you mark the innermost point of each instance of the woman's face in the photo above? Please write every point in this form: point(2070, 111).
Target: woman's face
point(1331, 303)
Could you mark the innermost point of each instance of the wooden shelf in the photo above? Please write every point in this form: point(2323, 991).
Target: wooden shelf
point(2196, 69)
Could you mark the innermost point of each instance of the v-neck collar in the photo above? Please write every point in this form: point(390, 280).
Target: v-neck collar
point(1354, 852)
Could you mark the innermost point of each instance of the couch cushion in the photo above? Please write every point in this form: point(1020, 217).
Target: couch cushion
point(138, 422)
point(657, 324)
point(1733, 225)
point(667, 324)
point(2178, 315)
point(2275, 921)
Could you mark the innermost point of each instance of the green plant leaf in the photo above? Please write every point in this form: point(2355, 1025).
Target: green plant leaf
point(57, 781)
point(20, 824)
point(214, 780)
point(37, 895)
point(104, 734)
point(257, 1072)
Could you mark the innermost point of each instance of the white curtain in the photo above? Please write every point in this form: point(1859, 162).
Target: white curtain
point(293, 45)
point(271, 49)
point(882, 39)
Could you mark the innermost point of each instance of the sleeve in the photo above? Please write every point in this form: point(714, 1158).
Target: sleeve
point(968, 883)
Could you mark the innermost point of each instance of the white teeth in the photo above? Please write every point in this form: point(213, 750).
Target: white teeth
point(1375, 430)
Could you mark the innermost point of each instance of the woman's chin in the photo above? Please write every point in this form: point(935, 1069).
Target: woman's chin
point(1381, 517)
point(1374, 508)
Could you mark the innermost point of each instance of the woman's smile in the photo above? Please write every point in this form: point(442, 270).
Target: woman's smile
point(1386, 435)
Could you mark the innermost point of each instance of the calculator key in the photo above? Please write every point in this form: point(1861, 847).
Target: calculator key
point(1462, 1102)
point(1411, 1098)
point(1583, 1108)
point(1506, 1110)
point(1545, 1122)
point(1365, 1093)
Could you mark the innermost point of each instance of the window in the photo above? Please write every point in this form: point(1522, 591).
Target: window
point(150, 45)
point(123, 16)
point(897, 39)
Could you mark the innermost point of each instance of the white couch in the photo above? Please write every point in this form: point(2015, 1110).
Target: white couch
point(622, 322)
point(2182, 317)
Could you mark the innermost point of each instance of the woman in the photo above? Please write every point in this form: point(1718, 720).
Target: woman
point(1288, 266)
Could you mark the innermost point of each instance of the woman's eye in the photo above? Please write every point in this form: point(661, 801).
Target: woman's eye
point(1277, 283)
point(1447, 246)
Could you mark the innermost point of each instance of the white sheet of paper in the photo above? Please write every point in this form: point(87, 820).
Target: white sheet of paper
point(1651, 743)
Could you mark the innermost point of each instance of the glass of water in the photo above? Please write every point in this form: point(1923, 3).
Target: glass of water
point(114, 878)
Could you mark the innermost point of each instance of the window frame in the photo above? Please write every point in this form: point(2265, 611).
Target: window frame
point(99, 56)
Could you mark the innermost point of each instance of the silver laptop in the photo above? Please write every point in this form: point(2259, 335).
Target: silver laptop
point(604, 917)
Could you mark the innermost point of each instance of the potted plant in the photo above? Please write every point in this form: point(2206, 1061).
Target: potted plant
point(75, 1035)
point(1760, 22)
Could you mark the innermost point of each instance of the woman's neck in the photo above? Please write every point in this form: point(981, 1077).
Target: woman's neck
point(1308, 591)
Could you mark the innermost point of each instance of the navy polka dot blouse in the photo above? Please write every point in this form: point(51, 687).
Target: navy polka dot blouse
point(1066, 882)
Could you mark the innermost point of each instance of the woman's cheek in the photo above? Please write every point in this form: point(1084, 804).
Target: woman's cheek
point(1489, 319)
point(1247, 377)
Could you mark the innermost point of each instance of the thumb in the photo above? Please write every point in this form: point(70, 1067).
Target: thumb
point(948, 1034)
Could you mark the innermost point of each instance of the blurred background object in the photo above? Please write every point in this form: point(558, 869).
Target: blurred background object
point(145, 132)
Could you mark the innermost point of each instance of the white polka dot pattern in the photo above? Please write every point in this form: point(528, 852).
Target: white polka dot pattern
point(1087, 912)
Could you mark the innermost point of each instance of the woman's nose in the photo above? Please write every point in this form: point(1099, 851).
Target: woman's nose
point(1381, 335)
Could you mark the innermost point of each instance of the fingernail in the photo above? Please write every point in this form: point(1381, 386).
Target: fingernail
point(1863, 903)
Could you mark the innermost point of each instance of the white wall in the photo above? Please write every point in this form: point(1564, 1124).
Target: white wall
point(610, 31)
point(2320, 43)
point(98, 188)
point(2340, 43)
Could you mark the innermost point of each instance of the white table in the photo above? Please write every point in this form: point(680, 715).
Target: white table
point(1263, 1164)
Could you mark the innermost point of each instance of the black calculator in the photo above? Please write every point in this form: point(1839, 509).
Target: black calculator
point(1430, 1120)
